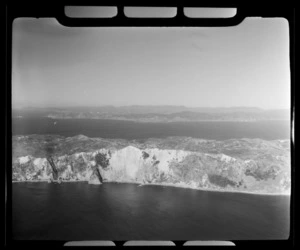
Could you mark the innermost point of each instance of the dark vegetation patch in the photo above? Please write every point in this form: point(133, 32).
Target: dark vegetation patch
point(156, 162)
point(102, 160)
point(220, 180)
point(79, 165)
point(145, 155)
point(185, 171)
point(263, 172)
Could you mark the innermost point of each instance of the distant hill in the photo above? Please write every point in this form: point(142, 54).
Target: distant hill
point(157, 113)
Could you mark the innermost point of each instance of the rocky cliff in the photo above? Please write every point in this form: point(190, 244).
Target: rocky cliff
point(246, 165)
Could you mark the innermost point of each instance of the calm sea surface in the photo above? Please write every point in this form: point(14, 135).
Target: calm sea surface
point(269, 130)
point(79, 211)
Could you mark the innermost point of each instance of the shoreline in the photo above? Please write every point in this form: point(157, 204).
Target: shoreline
point(216, 190)
point(164, 185)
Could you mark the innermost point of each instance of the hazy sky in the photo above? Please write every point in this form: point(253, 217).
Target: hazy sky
point(244, 65)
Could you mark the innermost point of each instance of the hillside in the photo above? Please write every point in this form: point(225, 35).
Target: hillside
point(242, 165)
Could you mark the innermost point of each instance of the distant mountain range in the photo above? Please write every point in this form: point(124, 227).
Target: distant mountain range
point(157, 113)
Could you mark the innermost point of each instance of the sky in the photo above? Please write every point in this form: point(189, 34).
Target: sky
point(244, 65)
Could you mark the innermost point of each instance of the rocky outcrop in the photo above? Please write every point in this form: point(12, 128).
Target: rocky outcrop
point(258, 170)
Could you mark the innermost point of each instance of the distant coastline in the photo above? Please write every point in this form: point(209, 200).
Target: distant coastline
point(157, 114)
point(165, 121)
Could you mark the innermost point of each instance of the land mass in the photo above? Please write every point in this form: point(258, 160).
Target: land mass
point(157, 113)
point(236, 165)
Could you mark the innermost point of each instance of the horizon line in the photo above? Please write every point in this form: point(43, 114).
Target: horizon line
point(137, 105)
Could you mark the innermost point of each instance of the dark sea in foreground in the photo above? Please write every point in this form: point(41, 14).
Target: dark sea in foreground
point(112, 211)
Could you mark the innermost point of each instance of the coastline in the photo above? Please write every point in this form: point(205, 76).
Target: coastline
point(145, 120)
point(165, 185)
point(218, 190)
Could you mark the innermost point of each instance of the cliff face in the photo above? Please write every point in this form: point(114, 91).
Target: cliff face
point(262, 172)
